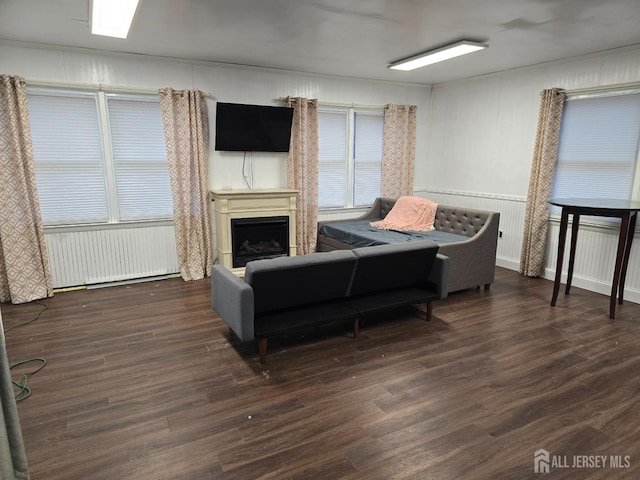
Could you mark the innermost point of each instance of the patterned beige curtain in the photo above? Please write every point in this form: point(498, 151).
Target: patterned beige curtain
point(302, 170)
point(24, 264)
point(545, 154)
point(398, 150)
point(186, 134)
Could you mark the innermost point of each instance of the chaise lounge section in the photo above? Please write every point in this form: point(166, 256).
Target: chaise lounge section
point(468, 237)
point(290, 294)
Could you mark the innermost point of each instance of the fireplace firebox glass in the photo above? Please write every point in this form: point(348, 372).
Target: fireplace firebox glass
point(258, 238)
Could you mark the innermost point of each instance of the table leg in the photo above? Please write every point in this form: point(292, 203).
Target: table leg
point(617, 273)
point(575, 226)
point(627, 252)
point(562, 238)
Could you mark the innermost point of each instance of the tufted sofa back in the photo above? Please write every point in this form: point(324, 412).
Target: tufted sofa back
point(461, 221)
point(385, 205)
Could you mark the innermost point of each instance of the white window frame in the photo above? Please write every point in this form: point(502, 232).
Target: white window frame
point(351, 112)
point(108, 163)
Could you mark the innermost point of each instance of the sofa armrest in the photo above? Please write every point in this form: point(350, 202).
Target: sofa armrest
point(232, 299)
point(473, 261)
point(380, 208)
point(439, 275)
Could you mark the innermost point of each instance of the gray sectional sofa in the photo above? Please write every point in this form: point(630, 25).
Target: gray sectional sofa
point(289, 294)
point(468, 237)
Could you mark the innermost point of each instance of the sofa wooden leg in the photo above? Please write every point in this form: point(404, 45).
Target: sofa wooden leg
point(487, 286)
point(262, 347)
point(429, 310)
point(356, 327)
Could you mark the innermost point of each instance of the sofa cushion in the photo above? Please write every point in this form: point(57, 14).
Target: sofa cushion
point(385, 267)
point(304, 318)
point(358, 233)
point(288, 282)
point(365, 304)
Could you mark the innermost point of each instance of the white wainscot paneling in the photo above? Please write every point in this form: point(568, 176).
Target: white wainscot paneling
point(109, 255)
point(595, 260)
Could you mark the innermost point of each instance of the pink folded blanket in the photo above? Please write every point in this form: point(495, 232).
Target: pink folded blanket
point(409, 214)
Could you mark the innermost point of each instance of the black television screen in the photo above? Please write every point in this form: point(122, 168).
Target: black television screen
point(253, 128)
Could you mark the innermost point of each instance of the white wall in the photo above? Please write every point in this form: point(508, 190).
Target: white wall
point(483, 130)
point(226, 84)
point(480, 145)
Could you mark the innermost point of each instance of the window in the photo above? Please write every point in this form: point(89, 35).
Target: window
point(350, 156)
point(99, 157)
point(598, 150)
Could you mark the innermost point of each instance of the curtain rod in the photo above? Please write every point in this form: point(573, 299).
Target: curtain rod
point(96, 86)
point(603, 88)
point(337, 104)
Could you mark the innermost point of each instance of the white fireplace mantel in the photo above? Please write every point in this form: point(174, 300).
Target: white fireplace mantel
point(233, 204)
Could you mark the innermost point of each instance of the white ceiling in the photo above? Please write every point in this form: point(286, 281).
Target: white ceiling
point(354, 38)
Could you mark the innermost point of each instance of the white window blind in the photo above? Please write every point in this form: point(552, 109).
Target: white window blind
point(598, 150)
point(99, 158)
point(68, 158)
point(350, 156)
point(367, 155)
point(139, 159)
point(333, 152)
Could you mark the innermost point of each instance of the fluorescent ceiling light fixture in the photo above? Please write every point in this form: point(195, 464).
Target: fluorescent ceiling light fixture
point(439, 55)
point(113, 18)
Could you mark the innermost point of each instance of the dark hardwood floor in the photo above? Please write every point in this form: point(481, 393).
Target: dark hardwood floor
point(146, 382)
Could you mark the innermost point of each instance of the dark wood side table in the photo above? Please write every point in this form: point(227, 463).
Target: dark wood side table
point(626, 210)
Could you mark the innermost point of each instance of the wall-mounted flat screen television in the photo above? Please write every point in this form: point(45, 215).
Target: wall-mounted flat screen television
point(253, 128)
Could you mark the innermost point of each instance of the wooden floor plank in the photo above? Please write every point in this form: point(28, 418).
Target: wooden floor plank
point(146, 381)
